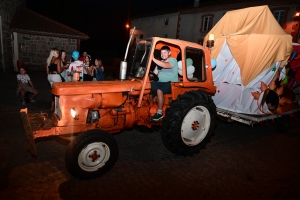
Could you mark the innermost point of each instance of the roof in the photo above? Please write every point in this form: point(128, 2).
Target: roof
point(29, 22)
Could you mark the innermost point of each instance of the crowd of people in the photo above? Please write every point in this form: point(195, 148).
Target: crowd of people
point(61, 69)
point(77, 68)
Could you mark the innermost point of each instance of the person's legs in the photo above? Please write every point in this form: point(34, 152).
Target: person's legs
point(162, 88)
point(160, 99)
point(52, 79)
point(22, 91)
point(34, 93)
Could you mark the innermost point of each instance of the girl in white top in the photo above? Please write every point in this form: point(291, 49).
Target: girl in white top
point(24, 85)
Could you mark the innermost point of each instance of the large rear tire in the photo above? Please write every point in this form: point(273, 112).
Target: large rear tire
point(91, 154)
point(189, 123)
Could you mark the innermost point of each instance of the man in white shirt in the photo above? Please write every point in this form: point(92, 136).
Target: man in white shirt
point(76, 67)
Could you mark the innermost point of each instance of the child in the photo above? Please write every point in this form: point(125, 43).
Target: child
point(24, 85)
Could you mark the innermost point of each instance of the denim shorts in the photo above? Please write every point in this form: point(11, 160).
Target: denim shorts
point(165, 87)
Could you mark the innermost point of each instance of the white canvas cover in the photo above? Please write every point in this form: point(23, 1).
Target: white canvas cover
point(251, 50)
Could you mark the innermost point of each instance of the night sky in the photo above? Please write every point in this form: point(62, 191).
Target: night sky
point(102, 20)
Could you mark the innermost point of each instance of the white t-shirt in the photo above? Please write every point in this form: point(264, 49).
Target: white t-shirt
point(23, 78)
point(76, 66)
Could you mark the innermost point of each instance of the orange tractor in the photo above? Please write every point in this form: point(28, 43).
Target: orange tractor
point(89, 113)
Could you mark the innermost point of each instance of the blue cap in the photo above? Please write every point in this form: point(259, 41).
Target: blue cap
point(75, 55)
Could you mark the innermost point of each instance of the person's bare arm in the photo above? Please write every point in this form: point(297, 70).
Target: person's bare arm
point(47, 69)
point(92, 69)
point(162, 64)
point(58, 62)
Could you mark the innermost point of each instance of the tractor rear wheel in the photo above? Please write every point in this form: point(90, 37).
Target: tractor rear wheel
point(189, 123)
point(91, 154)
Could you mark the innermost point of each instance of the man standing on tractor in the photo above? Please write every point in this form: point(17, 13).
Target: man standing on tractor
point(167, 71)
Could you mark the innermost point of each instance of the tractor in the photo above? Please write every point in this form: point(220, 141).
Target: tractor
point(89, 113)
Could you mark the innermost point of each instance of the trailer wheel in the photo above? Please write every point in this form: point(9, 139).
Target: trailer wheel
point(283, 124)
point(91, 154)
point(189, 123)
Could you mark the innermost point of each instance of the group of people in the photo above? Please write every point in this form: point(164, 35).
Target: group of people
point(76, 69)
point(59, 69)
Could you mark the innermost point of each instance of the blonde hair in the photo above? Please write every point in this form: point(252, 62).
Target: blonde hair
point(99, 62)
point(54, 53)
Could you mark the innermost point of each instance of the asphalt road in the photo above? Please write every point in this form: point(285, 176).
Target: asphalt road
point(240, 162)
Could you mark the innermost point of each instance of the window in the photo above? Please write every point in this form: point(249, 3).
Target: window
point(206, 22)
point(279, 16)
point(166, 21)
point(150, 22)
point(195, 64)
point(165, 35)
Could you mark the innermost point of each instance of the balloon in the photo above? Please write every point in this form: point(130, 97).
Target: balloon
point(294, 54)
point(213, 63)
point(189, 62)
point(180, 64)
point(285, 80)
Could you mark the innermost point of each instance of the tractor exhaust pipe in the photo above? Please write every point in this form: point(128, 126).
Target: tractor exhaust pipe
point(123, 64)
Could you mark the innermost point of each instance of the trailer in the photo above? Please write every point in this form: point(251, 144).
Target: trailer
point(282, 121)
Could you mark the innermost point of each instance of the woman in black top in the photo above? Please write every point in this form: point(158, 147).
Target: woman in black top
point(53, 69)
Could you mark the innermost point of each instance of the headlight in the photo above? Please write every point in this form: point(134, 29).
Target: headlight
point(74, 113)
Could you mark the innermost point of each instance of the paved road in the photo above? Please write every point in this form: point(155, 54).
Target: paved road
point(239, 163)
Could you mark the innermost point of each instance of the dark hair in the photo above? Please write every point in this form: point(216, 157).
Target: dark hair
point(165, 48)
point(272, 98)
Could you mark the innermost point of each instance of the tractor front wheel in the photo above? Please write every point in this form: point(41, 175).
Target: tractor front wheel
point(91, 154)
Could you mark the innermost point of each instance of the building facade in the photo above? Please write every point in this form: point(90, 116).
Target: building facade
point(193, 24)
point(27, 37)
point(161, 25)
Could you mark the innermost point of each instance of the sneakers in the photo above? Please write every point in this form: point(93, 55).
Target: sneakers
point(32, 101)
point(157, 117)
point(23, 103)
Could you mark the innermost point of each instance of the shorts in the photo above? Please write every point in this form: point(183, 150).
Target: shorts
point(165, 87)
point(53, 78)
point(26, 87)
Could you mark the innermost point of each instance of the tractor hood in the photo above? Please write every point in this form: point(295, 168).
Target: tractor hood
point(94, 87)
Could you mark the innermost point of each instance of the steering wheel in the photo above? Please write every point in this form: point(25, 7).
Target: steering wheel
point(153, 76)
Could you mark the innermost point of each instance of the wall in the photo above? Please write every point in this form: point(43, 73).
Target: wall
point(35, 49)
point(7, 12)
point(158, 29)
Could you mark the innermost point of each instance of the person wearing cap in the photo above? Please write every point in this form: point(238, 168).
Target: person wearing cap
point(167, 71)
point(76, 67)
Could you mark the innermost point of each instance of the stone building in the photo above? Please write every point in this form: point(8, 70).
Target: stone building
point(28, 37)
